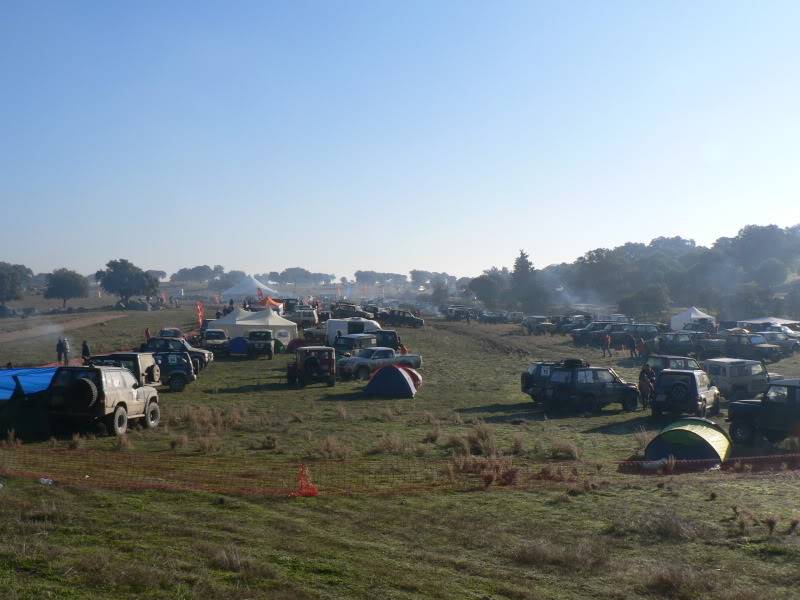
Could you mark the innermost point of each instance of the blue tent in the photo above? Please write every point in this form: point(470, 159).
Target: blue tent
point(391, 382)
point(31, 380)
point(238, 345)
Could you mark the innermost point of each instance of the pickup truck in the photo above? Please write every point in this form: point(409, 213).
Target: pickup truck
point(215, 340)
point(368, 360)
point(200, 358)
point(260, 342)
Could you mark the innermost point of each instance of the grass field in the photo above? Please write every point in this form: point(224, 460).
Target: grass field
point(599, 533)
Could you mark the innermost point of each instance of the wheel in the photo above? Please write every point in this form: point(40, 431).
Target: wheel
point(678, 393)
point(741, 432)
point(117, 422)
point(152, 415)
point(83, 393)
point(630, 402)
point(153, 374)
point(363, 373)
point(177, 383)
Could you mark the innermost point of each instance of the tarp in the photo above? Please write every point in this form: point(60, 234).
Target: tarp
point(691, 438)
point(241, 322)
point(238, 345)
point(248, 287)
point(31, 380)
point(770, 321)
point(677, 322)
point(391, 382)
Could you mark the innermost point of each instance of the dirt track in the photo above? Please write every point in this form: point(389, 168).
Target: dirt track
point(40, 330)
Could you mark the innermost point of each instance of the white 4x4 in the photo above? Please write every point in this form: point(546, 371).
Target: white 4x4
point(110, 394)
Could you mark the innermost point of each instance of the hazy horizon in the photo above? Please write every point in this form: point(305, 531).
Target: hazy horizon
point(441, 136)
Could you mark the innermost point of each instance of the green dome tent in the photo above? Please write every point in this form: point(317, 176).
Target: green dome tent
point(691, 438)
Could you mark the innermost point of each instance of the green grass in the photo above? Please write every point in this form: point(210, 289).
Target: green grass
point(603, 535)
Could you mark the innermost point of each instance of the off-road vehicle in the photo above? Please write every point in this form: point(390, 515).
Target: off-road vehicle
point(685, 391)
point(143, 365)
point(312, 363)
point(400, 318)
point(775, 415)
point(368, 360)
point(387, 338)
point(537, 325)
point(676, 344)
point(659, 362)
point(583, 336)
point(788, 345)
point(753, 346)
point(260, 342)
point(588, 389)
point(200, 358)
point(215, 340)
point(737, 378)
point(177, 370)
point(535, 378)
point(645, 331)
point(345, 345)
point(108, 394)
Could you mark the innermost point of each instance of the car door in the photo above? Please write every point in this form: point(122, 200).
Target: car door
point(137, 395)
point(779, 409)
point(607, 386)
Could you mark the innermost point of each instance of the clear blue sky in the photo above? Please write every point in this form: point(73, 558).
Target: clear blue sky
point(389, 136)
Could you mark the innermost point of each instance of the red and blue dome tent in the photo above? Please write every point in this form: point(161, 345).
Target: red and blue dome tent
point(391, 382)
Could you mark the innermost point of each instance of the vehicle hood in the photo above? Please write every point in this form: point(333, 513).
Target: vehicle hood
point(752, 405)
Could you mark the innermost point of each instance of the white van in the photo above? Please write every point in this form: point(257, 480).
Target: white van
point(348, 326)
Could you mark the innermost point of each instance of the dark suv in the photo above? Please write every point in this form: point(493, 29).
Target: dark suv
point(685, 391)
point(200, 358)
point(775, 415)
point(583, 336)
point(588, 389)
point(536, 377)
point(659, 362)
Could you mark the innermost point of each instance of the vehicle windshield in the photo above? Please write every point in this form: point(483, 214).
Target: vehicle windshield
point(215, 335)
point(617, 377)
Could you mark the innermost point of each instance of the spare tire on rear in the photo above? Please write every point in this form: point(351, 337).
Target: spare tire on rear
point(83, 393)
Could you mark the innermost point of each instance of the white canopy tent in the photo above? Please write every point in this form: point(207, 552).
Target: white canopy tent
point(240, 322)
point(677, 322)
point(248, 286)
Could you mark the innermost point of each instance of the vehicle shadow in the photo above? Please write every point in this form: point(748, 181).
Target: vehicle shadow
point(509, 413)
point(249, 388)
point(357, 395)
point(643, 421)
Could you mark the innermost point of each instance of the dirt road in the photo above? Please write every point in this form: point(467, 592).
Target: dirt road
point(51, 328)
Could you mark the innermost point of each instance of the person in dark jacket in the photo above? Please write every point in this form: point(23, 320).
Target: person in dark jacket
point(631, 343)
point(60, 350)
point(86, 352)
point(647, 377)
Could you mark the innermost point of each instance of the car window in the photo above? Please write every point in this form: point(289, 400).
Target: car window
point(603, 376)
point(585, 376)
point(778, 394)
point(692, 364)
point(654, 362)
point(685, 339)
point(560, 377)
point(758, 339)
point(757, 369)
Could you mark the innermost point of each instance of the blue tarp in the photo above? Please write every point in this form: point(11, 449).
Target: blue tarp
point(391, 382)
point(32, 380)
point(238, 345)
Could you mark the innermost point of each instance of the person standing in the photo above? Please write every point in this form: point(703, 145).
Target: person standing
point(86, 352)
point(607, 345)
point(646, 381)
point(631, 342)
point(60, 350)
point(66, 352)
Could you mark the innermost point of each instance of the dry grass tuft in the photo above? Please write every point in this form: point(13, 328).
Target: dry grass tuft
point(266, 443)
point(517, 444)
point(668, 526)
point(11, 441)
point(75, 442)
point(393, 443)
point(433, 435)
point(567, 558)
point(209, 444)
point(642, 437)
point(123, 443)
point(331, 447)
point(341, 411)
point(565, 450)
point(179, 442)
point(481, 440)
point(680, 584)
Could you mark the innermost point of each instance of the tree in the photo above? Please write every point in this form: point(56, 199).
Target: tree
point(650, 301)
point(159, 275)
point(13, 279)
point(770, 272)
point(227, 280)
point(487, 289)
point(343, 280)
point(439, 293)
point(65, 284)
point(124, 279)
point(200, 273)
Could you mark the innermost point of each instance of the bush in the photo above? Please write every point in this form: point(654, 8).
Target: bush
point(181, 441)
point(433, 435)
point(481, 439)
point(392, 444)
point(123, 443)
point(209, 444)
point(679, 584)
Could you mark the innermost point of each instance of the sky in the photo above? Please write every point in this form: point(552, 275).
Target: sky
point(389, 136)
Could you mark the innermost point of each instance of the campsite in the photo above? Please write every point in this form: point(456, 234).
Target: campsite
point(218, 475)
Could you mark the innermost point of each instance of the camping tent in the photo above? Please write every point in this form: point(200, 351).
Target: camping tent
point(677, 322)
point(416, 378)
point(248, 287)
point(241, 322)
point(391, 382)
point(691, 438)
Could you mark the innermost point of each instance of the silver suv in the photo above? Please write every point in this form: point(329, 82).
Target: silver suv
point(738, 378)
point(108, 394)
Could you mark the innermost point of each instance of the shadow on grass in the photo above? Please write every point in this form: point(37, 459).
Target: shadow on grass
point(628, 427)
point(250, 388)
